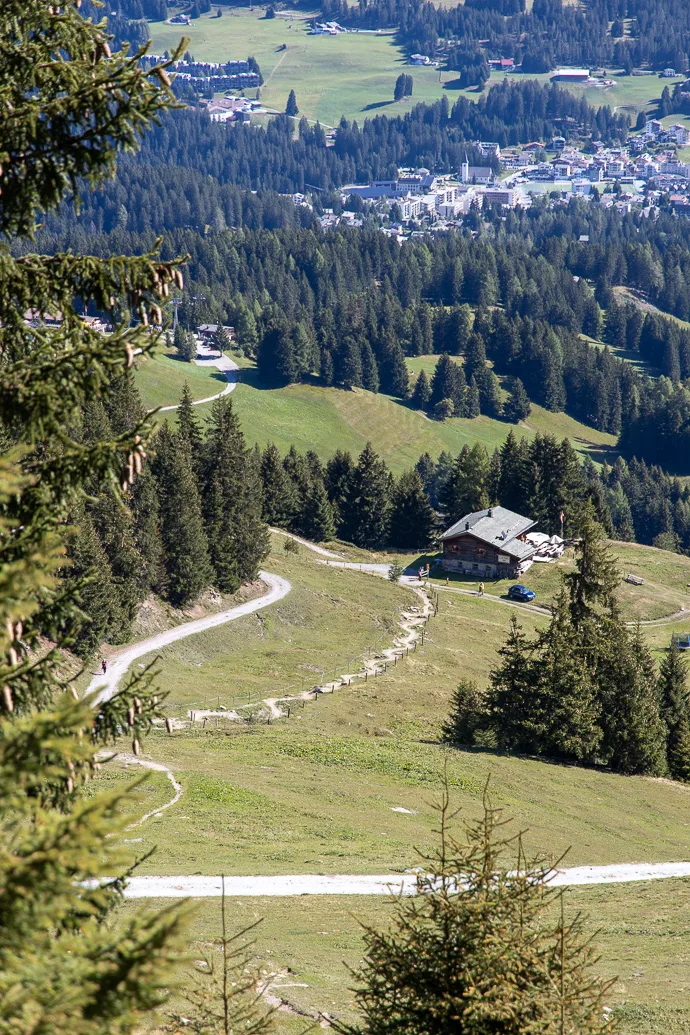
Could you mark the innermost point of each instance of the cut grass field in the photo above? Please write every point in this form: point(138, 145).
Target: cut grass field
point(315, 793)
point(351, 74)
point(325, 419)
point(160, 380)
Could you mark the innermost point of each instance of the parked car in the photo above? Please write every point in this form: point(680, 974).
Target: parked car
point(521, 593)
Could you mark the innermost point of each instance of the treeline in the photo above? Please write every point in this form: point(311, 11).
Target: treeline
point(540, 477)
point(585, 690)
point(623, 34)
point(359, 500)
point(192, 519)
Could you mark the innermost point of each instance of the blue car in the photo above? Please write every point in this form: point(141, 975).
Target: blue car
point(521, 593)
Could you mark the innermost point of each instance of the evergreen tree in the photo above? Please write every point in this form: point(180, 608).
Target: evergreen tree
point(480, 948)
point(518, 406)
point(90, 569)
point(188, 425)
point(370, 373)
point(366, 508)
point(596, 576)
point(185, 343)
point(338, 478)
point(318, 523)
point(187, 560)
point(280, 498)
point(412, 519)
point(291, 106)
point(672, 692)
point(518, 713)
point(472, 402)
point(468, 715)
point(466, 489)
point(634, 733)
point(568, 689)
point(68, 963)
point(448, 382)
point(421, 396)
point(147, 533)
point(237, 535)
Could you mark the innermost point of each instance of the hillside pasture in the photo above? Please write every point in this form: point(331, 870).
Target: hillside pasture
point(325, 419)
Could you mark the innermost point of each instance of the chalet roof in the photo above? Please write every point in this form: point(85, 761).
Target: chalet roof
point(497, 527)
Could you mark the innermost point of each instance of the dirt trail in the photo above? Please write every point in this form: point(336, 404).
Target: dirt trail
point(208, 357)
point(291, 885)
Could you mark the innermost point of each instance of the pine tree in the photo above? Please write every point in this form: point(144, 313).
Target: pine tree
point(596, 576)
point(518, 714)
point(412, 519)
point(366, 509)
point(568, 688)
point(672, 692)
point(468, 715)
point(280, 497)
point(185, 344)
point(318, 522)
point(237, 535)
point(147, 533)
point(370, 372)
point(291, 106)
point(68, 963)
point(466, 489)
point(338, 478)
point(90, 569)
point(187, 560)
point(472, 402)
point(518, 406)
point(634, 733)
point(481, 948)
point(188, 425)
point(421, 394)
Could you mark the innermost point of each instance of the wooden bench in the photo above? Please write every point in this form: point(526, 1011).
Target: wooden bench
point(636, 580)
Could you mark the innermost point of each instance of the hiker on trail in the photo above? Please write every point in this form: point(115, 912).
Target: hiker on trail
point(104, 667)
point(481, 589)
point(420, 574)
point(446, 580)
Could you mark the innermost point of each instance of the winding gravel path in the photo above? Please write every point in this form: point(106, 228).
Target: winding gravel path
point(107, 684)
point(208, 357)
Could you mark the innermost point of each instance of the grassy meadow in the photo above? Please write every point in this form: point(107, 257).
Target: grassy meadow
point(326, 419)
point(161, 378)
point(351, 74)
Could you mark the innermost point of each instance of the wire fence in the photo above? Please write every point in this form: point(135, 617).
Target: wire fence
point(341, 669)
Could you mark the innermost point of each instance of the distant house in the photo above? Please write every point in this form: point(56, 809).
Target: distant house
point(489, 543)
point(570, 75)
point(208, 331)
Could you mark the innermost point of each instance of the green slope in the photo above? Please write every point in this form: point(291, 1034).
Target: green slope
point(326, 419)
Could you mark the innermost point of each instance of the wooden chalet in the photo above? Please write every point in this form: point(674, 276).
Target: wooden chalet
point(489, 543)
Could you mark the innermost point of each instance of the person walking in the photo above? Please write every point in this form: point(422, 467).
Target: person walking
point(104, 667)
point(481, 589)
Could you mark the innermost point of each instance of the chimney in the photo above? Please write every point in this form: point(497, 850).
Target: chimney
point(489, 513)
point(467, 526)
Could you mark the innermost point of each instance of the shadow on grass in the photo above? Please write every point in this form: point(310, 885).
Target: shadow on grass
point(376, 104)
